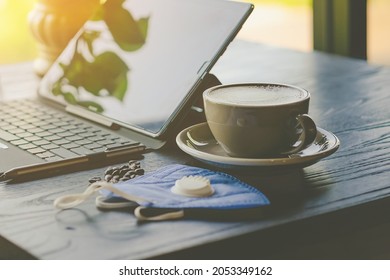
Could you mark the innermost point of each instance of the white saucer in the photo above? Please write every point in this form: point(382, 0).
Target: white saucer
point(325, 144)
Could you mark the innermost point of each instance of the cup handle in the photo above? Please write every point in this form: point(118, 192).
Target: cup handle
point(307, 136)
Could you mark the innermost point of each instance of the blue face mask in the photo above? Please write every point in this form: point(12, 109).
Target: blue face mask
point(173, 190)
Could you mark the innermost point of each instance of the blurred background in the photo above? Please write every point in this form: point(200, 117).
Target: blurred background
point(283, 23)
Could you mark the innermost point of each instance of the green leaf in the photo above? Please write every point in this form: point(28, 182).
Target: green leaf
point(129, 34)
point(98, 14)
point(69, 97)
point(56, 89)
point(89, 37)
point(107, 71)
point(120, 89)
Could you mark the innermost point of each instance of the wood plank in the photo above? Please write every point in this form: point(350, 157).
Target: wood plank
point(349, 98)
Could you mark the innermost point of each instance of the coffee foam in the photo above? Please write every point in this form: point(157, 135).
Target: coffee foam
point(257, 95)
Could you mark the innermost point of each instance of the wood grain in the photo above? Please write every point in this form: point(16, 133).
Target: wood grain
point(349, 98)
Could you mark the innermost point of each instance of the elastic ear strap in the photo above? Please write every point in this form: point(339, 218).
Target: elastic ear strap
point(131, 197)
point(166, 216)
point(72, 200)
point(101, 203)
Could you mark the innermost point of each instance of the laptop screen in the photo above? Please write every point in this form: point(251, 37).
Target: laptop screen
point(137, 61)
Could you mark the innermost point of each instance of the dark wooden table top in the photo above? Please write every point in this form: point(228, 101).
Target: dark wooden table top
point(344, 192)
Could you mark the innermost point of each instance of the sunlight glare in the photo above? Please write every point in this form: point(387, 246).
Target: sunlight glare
point(16, 41)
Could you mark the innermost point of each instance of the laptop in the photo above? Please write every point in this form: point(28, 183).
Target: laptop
point(121, 87)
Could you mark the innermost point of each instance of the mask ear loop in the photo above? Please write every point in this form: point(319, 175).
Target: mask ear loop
point(103, 204)
point(72, 200)
point(162, 217)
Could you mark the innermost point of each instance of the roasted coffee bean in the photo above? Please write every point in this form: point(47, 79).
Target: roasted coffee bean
point(124, 167)
point(139, 171)
point(94, 179)
point(109, 171)
point(114, 174)
point(131, 172)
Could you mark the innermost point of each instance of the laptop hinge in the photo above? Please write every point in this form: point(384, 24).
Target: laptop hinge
point(81, 112)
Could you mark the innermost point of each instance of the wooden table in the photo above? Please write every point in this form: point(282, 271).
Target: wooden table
point(336, 208)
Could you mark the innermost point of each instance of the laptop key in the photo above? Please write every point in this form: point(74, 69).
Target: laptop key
point(74, 138)
point(61, 142)
point(66, 134)
point(19, 142)
point(83, 142)
point(52, 138)
point(24, 134)
point(97, 138)
point(63, 153)
point(100, 149)
point(44, 134)
point(57, 130)
point(48, 127)
point(36, 130)
point(27, 146)
point(41, 142)
point(7, 136)
point(93, 146)
point(27, 126)
point(82, 151)
point(49, 146)
point(54, 158)
point(70, 146)
point(9, 127)
point(105, 142)
point(16, 131)
point(32, 138)
point(36, 151)
point(45, 155)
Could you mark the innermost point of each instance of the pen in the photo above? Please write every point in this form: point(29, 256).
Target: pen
point(42, 170)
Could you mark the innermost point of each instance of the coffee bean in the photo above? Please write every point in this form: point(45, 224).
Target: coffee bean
point(139, 171)
point(94, 179)
point(123, 167)
point(114, 174)
point(129, 173)
point(109, 171)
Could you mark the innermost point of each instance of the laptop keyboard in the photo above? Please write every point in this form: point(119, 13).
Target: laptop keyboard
point(51, 134)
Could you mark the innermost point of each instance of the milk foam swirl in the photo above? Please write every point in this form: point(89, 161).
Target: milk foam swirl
point(257, 95)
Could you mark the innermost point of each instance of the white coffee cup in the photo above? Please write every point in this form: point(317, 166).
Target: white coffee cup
point(261, 119)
